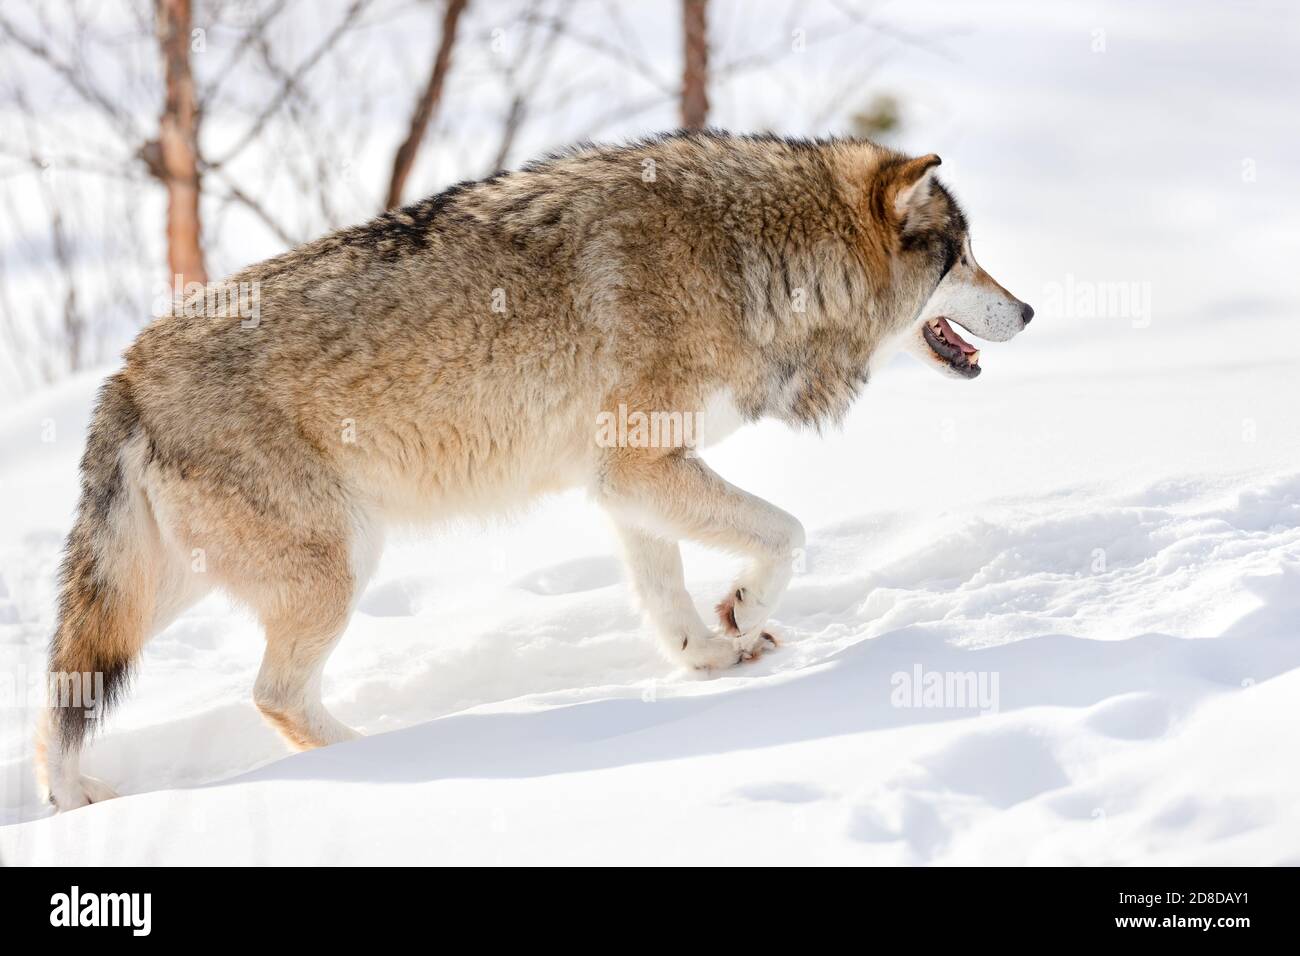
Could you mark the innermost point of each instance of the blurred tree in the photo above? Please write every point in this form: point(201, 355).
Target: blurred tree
point(879, 119)
point(427, 104)
point(177, 155)
point(524, 74)
point(695, 69)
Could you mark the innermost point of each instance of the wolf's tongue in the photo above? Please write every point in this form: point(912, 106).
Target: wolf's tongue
point(954, 338)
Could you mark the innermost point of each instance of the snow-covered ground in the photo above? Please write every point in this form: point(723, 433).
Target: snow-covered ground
point(1111, 553)
point(1100, 537)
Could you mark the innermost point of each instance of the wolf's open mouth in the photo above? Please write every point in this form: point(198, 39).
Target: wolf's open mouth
point(960, 355)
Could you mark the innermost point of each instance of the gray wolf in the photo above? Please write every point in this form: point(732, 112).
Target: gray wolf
point(455, 357)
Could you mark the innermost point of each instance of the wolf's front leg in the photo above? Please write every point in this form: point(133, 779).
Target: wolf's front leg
point(746, 608)
point(672, 495)
point(655, 566)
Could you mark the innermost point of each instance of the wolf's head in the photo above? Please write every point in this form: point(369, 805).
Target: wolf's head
point(933, 257)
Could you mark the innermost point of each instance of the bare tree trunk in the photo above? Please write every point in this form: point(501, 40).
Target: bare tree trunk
point(695, 73)
point(427, 105)
point(178, 153)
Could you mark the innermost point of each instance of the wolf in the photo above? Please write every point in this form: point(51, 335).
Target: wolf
point(454, 357)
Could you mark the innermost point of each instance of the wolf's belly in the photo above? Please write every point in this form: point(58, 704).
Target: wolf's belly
point(433, 472)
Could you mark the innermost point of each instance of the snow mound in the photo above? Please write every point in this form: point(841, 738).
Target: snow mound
point(1037, 671)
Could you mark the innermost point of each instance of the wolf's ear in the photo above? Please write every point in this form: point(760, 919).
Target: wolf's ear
point(910, 184)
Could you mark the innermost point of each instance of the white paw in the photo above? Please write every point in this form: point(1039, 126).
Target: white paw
point(717, 650)
point(80, 792)
point(331, 730)
point(709, 651)
point(753, 644)
point(743, 616)
point(748, 611)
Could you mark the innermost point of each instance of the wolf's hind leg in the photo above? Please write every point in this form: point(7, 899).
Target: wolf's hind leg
point(288, 686)
point(304, 619)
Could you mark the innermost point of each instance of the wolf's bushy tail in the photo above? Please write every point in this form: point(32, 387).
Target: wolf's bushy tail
point(109, 579)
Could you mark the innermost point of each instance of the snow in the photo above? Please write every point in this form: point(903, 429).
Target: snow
point(1099, 539)
point(1127, 584)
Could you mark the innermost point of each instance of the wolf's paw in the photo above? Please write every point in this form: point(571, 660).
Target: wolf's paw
point(80, 792)
point(710, 651)
point(742, 614)
point(752, 646)
point(716, 651)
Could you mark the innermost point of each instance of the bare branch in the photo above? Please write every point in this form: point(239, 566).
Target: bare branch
point(426, 106)
point(256, 208)
point(621, 55)
point(76, 81)
point(521, 98)
point(73, 324)
point(277, 101)
point(256, 32)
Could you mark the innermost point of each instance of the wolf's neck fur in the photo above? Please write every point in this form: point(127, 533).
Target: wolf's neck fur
point(818, 319)
point(819, 292)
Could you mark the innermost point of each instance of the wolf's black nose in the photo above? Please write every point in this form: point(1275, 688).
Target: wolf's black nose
point(1026, 313)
